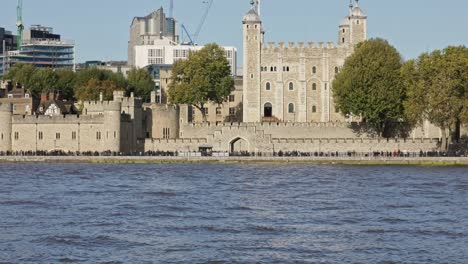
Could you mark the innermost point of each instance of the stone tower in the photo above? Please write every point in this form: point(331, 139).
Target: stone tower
point(112, 121)
point(253, 42)
point(353, 28)
point(357, 24)
point(5, 127)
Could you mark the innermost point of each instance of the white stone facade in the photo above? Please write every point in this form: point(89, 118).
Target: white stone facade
point(293, 82)
point(166, 53)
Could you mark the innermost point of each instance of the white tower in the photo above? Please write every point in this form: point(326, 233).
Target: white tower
point(5, 127)
point(252, 42)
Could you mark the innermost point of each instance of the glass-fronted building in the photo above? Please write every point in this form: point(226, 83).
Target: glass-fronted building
point(44, 49)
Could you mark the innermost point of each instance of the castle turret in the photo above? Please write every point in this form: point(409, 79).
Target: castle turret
point(344, 34)
point(357, 24)
point(252, 43)
point(113, 126)
point(6, 113)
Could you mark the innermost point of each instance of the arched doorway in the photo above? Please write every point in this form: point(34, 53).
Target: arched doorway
point(268, 110)
point(239, 145)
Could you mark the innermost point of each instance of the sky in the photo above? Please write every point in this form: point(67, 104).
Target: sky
point(100, 28)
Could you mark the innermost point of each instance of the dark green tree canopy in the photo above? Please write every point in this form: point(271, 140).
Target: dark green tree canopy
point(141, 83)
point(204, 77)
point(369, 84)
point(437, 85)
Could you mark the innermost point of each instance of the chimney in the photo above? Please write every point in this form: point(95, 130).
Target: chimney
point(101, 97)
point(132, 94)
point(51, 96)
point(59, 96)
point(43, 97)
point(153, 97)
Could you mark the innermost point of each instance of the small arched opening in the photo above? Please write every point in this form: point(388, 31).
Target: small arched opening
point(239, 145)
point(268, 110)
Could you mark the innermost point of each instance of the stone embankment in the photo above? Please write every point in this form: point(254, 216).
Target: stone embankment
point(423, 161)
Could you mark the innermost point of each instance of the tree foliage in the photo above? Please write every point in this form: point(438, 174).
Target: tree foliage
point(141, 83)
point(90, 82)
point(21, 73)
point(204, 77)
point(437, 85)
point(369, 84)
point(92, 89)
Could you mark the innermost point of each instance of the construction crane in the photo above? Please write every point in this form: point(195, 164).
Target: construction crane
point(171, 9)
point(194, 38)
point(202, 22)
point(19, 24)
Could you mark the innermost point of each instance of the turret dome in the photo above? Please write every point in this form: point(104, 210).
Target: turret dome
point(345, 21)
point(357, 12)
point(251, 16)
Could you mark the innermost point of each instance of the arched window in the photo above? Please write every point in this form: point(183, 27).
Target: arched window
point(344, 30)
point(337, 70)
point(268, 86)
point(314, 86)
point(274, 68)
point(287, 68)
point(314, 109)
point(291, 108)
point(314, 69)
point(343, 40)
point(291, 86)
point(271, 69)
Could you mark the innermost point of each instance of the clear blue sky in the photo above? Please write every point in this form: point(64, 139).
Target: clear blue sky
point(100, 27)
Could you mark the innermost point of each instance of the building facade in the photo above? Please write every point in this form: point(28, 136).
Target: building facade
point(293, 82)
point(115, 126)
point(44, 49)
point(8, 42)
point(150, 29)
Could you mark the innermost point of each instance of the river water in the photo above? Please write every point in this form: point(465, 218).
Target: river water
point(75, 213)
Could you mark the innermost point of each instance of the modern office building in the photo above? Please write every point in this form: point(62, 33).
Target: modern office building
point(7, 43)
point(166, 54)
point(42, 48)
point(149, 29)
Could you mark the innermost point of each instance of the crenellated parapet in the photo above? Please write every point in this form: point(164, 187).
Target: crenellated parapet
point(280, 47)
point(62, 119)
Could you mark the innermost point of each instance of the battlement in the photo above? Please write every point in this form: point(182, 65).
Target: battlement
point(285, 124)
point(177, 141)
point(63, 119)
point(6, 108)
point(94, 106)
point(300, 46)
point(366, 141)
point(161, 107)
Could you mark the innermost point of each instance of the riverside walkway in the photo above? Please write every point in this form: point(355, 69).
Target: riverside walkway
point(429, 161)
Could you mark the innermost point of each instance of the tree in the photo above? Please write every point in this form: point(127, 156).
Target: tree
point(66, 83)
point(21, 73)
point(90, 82)
point(140, 82)
point(369, 85)
point(92, 89)
point(43, 80)
point(205, 76)
point(437, 85)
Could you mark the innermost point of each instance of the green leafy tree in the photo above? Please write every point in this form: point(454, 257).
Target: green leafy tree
point(92, 89)
point(102, 81)
point(66, 83)
point(437, 85)
point(21, 73)
point(204, 77)
point(140, 82)
point(370, 85)
point(43, 80)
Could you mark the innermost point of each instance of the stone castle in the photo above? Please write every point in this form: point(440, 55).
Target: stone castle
point(294, 82)
point(284, 103)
